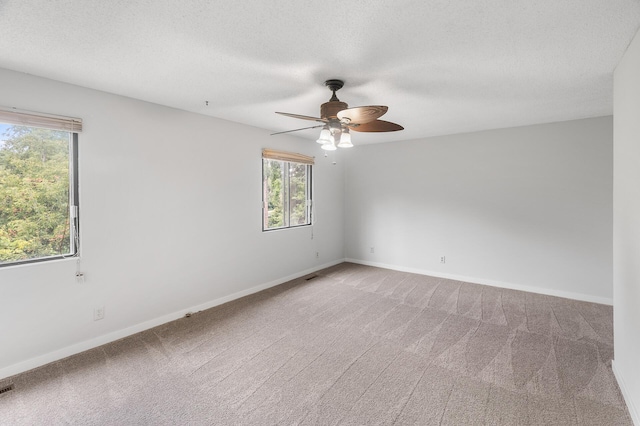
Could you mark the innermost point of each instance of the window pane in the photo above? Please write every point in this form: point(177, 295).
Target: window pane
point(298, 188)
point(34, 193)
point(274, 193)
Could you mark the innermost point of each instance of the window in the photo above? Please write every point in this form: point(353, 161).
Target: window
point(38, 186)
point(286, 190)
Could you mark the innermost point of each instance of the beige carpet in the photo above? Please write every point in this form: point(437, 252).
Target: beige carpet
point(356, 345)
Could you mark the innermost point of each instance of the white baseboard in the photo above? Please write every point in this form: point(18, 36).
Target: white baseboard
point(501, 284)
point(635, 415)
point(65, 352)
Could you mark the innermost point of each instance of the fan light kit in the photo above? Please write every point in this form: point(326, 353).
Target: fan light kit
point(338, 120)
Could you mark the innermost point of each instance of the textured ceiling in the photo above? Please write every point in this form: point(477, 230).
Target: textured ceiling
point(442, 66)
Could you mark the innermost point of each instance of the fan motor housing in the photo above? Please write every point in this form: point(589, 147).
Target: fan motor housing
point(332, 108)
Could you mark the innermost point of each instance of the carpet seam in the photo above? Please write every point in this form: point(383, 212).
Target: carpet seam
point(341, 375)
point(370, 385)
point(412, 392)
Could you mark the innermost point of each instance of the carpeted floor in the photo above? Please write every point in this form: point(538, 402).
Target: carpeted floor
point(356, 345)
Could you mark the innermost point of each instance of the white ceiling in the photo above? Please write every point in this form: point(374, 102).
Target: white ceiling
point(442, 66)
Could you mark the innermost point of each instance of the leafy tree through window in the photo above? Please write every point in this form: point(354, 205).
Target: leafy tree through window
point(286, 193)
point(37, 193)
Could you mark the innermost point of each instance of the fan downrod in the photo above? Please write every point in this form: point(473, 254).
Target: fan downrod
point(334, 85)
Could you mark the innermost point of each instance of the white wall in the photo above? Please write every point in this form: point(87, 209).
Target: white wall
point(170, 207)
point(527, 207)
point(626, 226)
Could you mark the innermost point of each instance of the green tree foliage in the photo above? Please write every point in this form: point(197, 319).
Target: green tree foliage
point(34, 193)
point(275, 192)
point(298, 188)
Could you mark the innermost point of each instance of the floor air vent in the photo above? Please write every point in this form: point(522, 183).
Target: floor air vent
point(6, 389)
point(311, 277)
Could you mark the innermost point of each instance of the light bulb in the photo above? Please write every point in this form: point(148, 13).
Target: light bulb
point(345, 139)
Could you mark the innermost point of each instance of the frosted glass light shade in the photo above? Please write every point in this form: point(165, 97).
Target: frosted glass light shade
point(345, 139)
point(325, 136)
point(329, 146)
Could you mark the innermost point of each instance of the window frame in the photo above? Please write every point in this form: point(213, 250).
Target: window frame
point(286, 159)
point(74, 193)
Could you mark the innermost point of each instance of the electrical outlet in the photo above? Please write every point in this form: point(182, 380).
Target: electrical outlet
point(443, 259)
point(98, 313)
point(372, 250)
point(80, 277)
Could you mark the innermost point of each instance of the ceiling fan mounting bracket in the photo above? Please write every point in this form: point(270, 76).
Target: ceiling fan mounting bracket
point(330, 109)
point(334, 85)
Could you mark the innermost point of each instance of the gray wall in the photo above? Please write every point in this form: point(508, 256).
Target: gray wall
point(526, 207)
point(626, 226)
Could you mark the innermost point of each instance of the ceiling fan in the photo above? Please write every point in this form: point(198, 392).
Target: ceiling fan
point(338, 120)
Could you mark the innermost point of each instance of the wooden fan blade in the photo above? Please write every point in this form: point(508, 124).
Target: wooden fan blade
point(304, 128)
point(303, 117)
point(362, 114)
point(377, 126)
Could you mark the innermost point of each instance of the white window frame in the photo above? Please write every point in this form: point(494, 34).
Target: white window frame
point(287, 158)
